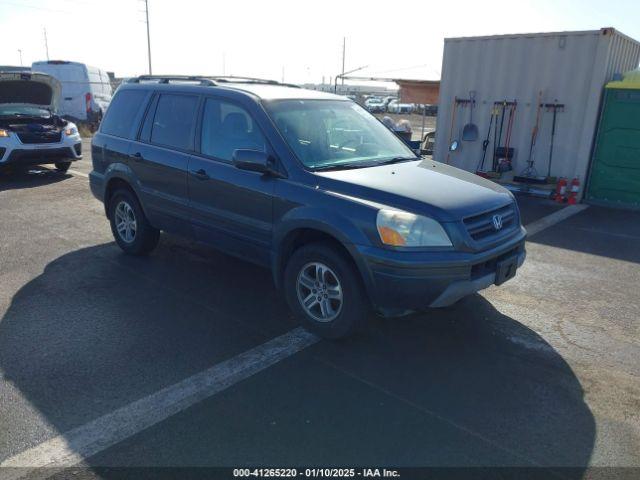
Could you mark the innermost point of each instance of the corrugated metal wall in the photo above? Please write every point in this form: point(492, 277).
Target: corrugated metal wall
point(570, 67)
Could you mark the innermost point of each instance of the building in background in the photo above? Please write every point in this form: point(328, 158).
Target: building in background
point(569, 68)
point(419, 91)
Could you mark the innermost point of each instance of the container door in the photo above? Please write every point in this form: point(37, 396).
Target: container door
point(615, 174)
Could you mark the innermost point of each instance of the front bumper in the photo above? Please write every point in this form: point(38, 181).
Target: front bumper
point(400, 282)
point(13, 152)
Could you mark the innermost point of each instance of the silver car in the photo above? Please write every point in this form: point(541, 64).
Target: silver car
point(31, 133)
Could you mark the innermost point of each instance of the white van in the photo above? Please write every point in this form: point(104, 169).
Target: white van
point(86, 91)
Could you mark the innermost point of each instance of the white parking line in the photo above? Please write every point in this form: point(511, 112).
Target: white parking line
point(77, 173)
point(555, 217)
point(73, 446)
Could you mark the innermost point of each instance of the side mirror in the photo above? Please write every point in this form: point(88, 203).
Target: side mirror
point(454, 146)
point(254, 161)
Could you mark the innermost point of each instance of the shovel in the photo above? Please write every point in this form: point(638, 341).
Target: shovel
point(470, 130)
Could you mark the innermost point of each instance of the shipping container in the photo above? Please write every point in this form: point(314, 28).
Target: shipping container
point(569, 68)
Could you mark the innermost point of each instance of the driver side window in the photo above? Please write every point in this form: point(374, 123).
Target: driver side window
point(227, 127)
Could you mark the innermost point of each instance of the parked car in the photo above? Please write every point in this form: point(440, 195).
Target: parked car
point(395, 106)
point(31, 132)
point(427, 109)
point(375, 105)
point(388, 100)
point(308, 184)
point(86, 91)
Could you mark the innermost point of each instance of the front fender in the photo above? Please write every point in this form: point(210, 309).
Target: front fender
point(336, 225)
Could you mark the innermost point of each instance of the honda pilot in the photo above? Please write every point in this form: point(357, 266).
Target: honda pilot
point(305, 183)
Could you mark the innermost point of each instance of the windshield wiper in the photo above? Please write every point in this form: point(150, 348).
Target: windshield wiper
point(345, 166)
point(398, 160)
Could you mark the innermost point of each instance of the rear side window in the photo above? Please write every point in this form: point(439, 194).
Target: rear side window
point(122, 113)
point(227, 127)
point(174, 121)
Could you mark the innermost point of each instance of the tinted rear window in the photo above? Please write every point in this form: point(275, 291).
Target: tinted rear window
point(174, 121)
point(122, 113)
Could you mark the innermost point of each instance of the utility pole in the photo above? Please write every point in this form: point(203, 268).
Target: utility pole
point(344, 48)
point(46, 43)
point(146, 12)
point(20, 52)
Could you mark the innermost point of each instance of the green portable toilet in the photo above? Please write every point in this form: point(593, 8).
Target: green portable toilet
point(615, 171)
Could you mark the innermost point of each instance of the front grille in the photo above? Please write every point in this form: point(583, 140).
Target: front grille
point(40, 137)
point(480, 227)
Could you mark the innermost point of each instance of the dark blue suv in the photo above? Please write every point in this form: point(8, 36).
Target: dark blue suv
point(308, 184)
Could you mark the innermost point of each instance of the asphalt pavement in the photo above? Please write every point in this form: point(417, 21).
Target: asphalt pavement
point(542, 371)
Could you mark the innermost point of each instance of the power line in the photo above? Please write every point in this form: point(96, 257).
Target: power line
point(413, 67)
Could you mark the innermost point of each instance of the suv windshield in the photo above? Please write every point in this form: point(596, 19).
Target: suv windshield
point(333, 134)
point(25, 110)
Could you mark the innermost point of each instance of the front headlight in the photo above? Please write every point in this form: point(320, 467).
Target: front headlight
point(4, 133)
point(71, 130)
point(404, 229)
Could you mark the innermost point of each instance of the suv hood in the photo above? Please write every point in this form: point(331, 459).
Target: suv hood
point(438, 190)
point(26, 88)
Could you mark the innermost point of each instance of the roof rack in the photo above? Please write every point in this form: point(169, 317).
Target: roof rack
point(234, 79)
point(212, 80)
point(260, 81)
point(174, 78)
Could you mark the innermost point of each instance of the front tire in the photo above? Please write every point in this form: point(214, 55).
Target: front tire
point(325, 292)
point(130, 228)
point(62, 167)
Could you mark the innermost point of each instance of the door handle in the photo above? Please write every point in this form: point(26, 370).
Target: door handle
point(137, 156)
point(200, 174)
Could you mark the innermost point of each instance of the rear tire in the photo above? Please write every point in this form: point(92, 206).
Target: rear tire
point(130, 228)
point(321, 278)
point(62, 166)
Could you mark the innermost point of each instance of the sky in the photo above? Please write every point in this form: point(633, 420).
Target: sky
point(300, 41)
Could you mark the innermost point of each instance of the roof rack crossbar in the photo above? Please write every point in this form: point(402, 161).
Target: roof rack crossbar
point(210, 80)
point(178, 78)
point(237, 79)
point(233, 78)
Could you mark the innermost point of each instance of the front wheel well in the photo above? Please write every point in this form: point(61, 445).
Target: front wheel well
point(298, 238)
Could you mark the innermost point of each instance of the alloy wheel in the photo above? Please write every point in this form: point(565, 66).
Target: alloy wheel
point(126, 224)
point(319, 292)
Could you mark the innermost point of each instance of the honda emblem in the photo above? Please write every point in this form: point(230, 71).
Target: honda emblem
point(497, 222)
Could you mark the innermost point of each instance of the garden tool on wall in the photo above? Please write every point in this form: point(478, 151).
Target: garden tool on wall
point(485, 143)
point(505, 154)
point(555, 108)
point(470, 130)
point(530, 174)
